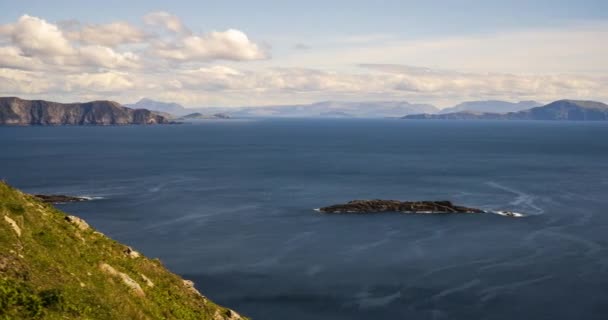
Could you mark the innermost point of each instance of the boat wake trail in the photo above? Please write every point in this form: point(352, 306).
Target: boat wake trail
point(522, 199)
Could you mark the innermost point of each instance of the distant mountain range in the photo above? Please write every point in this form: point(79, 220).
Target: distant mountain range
point(492, 106)
point(373, 109)
point(576, 110)
point(167, 107)
point(16, 111)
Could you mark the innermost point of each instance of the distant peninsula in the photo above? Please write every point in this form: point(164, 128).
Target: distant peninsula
point(571, 110)
point(19, 112)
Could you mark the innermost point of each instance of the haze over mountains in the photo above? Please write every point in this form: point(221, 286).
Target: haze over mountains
point(373, 109)
point(337, 109)
point(16, 111)
point(495, 106)
point(153, 105)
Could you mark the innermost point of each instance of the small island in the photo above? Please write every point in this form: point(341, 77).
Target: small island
point(377, 206)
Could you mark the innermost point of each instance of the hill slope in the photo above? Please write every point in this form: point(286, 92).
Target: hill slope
point(55, 266)
point(16, 111)
point(573, 110)
point(565, 110)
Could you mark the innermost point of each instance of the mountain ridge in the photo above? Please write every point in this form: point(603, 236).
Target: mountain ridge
point(565, 109)
point(491, 106)
point(372, 109)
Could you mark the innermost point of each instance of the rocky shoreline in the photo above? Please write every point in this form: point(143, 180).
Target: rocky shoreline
point(377, 206)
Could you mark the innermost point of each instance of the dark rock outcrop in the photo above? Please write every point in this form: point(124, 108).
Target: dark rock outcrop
point(375, 206)
point(58, 198)
point(16, 111)
point(572, 110)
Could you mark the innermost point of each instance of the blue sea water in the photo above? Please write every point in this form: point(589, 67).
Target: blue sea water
point(229, 204)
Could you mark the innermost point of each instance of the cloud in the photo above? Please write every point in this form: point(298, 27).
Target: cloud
point(12, 57)
point(19, 81)
point(167, 21)
point(226, 45)
point(232, 86)
point(109, 35)
point(36, 37)
point(507, 86)
point(301, 46)
point(574, 47)
point(106, 57)
point(99, 82)
point(35, 44)
point(162, 58)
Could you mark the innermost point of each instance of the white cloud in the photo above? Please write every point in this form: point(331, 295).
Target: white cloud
point(36, 44)
point(36, 37)
point(117, 59)
point(226, 45)
point(19, 82)
point(12, 57)
point(109, 35)
point(106, 57)
point(99, 82)
point(166, 20)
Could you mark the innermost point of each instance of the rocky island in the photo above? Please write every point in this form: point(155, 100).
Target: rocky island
point(20, 112)
point(58, 198)
point(376, 206)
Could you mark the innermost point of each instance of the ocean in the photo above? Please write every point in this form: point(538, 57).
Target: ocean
point(230, 205)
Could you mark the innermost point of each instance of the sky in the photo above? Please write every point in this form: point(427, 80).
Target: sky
point(249, 53)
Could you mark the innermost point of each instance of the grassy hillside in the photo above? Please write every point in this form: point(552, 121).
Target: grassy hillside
point(54, 266)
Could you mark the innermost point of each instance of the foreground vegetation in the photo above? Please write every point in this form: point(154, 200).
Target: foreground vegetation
point(54, 266)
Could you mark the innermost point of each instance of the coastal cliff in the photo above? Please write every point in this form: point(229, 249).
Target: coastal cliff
point(55, 266)
point(20, 112)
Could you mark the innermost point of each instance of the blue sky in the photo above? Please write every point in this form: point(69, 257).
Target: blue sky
point(439, 52)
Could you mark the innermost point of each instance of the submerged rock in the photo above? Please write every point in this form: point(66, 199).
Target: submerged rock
point(59, 198)
point(375, 206)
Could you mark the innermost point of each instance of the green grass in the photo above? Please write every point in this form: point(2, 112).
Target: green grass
point(52, 271)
